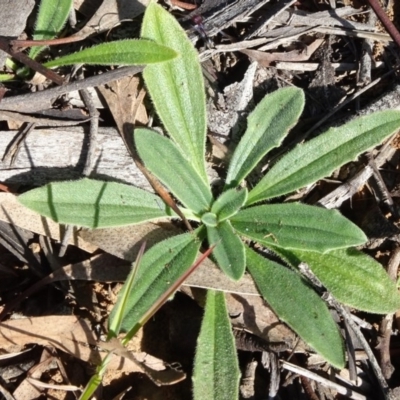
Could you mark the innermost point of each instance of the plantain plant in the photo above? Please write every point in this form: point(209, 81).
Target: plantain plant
point(240, 222)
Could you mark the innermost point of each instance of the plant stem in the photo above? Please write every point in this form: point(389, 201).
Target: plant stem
point(24, 59)
point(386, 22)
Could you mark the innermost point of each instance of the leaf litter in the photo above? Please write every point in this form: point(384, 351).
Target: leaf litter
point(281, 39)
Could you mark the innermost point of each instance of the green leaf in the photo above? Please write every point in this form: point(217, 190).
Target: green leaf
point(160, 267)
point(121, 52)
point(115, 320)
point(165, 161)
point(95, 204)
point(267, 126)
point(319, 157)
point(177, 87)
point(50, 20)
point(209, 219)
point(229, 203)
point(298, 226)
point(352, 277)
point(229, 250)
point(298, 305)
point(216, 370)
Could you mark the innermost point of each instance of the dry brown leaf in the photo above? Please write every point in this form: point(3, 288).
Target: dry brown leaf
point(125, 241)
point(160, 378)
point(30, 387)
point(65, 332)
point(265, 59)
point(253, 314)
point(125, 101)
point(75, 337)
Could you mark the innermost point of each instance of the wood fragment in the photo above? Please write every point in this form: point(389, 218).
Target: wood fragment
point(247, 380)
point(59, 154)
point(385, 328)
point(351, 394)
point(44, 99)
point(246, 341)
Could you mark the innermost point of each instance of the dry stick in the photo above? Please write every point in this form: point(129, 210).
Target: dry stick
point(29, 62)
point(371, 357)
point(246, 387)
point(14, 147)
point(126, 135)
point(335, 198)
point(382, 188)
point(344, 103)
point(385, 328)
point(326, 382)
point(94, 125)
point(306, 271)
point(21, 44)
point(351, 354)
point(275, 376)
point(34, 101)
point(386, 22)
point(308, 388)
point(160, 190)
point(364, 75)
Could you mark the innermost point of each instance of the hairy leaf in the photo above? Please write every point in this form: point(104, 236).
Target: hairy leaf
point(229, 250)
point(164, 160)
point(121, 52)
point(177, 87)
point(50, 20)
point(216, 369)
point(319, 157)
point(209, 219)
point(160, 267)
point(267, 126)
point(352, 277)
point(298, 226)
point(229, 203)
point(298, 305)
point(95, 204)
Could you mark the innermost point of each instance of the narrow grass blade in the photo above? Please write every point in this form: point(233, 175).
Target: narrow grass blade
point(298, 226)
point(216, 370)
point(95, 204)
point(121, 52)
point(319, 157)
point(267, 126)
point(298, 305)
point(115, 320)
point(96, 379)
point(177, 87)
point(164, 160)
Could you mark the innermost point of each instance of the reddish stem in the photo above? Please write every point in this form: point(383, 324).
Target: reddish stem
point(386, 22)
point(29, 62)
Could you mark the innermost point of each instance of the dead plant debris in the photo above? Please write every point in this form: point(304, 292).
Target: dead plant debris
point(54, 309)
